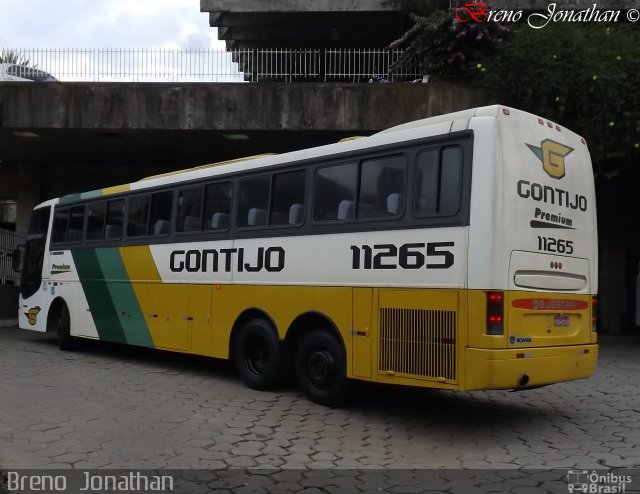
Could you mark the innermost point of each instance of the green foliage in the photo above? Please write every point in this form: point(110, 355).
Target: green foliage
point(443, 46)
point(8, 56)
point(583, 76)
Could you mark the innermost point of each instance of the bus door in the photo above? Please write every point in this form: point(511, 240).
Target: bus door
point(361, 332)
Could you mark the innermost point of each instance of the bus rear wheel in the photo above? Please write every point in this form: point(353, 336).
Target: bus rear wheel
point(262, 360)
point(321, 368)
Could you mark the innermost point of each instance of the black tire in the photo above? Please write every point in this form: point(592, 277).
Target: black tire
point(62, 324)
point(321, 368)
point(262, 360)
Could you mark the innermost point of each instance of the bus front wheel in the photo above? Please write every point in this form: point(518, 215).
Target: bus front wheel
point(262, 360)
point(321, 368)
point(62, 325)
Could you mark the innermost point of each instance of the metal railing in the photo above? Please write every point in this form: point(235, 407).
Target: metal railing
point(8, 242)
point(205, 65)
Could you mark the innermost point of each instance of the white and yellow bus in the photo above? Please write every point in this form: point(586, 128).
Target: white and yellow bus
point(456, 252)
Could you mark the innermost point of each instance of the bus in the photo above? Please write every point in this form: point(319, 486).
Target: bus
point(456, 252)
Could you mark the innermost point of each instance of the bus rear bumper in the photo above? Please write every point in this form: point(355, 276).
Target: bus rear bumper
point(510, 368)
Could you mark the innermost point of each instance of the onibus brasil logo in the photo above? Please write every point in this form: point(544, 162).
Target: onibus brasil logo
point(552, 155)
point(597, 483)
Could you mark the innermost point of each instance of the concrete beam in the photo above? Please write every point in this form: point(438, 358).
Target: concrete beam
point(314, 25)
point(542, 5)
point(291, 6)
point(233, 107)
point(321, 37)
point(215, 19)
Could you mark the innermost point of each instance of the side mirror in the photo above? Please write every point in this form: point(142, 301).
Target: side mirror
point(16, 261)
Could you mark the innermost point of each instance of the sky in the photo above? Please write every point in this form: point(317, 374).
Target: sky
point(105, 24)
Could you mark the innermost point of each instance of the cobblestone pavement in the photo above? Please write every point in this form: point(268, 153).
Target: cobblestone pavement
point(116, 407)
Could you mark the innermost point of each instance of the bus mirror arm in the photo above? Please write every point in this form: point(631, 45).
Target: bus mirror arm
point(16, 258)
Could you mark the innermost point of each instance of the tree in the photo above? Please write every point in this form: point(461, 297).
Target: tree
point(14, 57)
point(584, 77)
point(443, 46)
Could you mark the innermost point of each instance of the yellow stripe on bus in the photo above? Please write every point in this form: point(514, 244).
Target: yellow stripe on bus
point(116, 189)
point(142, 272)
point(209, 165)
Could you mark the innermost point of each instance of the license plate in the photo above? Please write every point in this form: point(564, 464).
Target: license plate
point(561, 321)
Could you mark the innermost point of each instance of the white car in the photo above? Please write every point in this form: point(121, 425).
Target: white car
point(13, 72)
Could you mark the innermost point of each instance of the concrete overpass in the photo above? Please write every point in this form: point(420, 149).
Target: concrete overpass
point(341, 23)
point(327, 25)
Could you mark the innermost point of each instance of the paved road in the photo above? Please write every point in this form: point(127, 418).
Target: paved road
point(116, 407)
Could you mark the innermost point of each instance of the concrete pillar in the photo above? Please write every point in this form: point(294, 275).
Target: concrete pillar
point(613, 279)
point(27, 187)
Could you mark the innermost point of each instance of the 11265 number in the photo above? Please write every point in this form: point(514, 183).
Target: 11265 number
point(407, 256)
point(555, 245)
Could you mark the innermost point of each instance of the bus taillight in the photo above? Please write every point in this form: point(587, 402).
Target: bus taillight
point(594, 317)
point(495, 313)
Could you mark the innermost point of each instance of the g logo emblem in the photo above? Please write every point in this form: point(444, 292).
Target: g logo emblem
point(552, 155)
point(32, 315)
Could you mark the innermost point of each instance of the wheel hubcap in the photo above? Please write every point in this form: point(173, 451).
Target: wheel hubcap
point(257, 357)
point(321, 368)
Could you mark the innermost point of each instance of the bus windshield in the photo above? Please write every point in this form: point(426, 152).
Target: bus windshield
point(34, 251)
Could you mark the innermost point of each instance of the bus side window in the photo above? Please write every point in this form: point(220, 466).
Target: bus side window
point(439, 182)
point(76, 224)
point(217, 206)
point(335, 192)
point(287, 204)
point(450, 180)
point(115, 220)
point(427, 183)
point(138, 216)
point(60, 225)
point(189, 210)
point(95, 221)
point(382, 187)
point(160, 214)
point(253, 204)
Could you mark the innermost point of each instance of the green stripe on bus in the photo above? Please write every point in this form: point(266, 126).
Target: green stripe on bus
point(128, 312)
point(113, 303)
point(78, 197)
point(98, 295)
